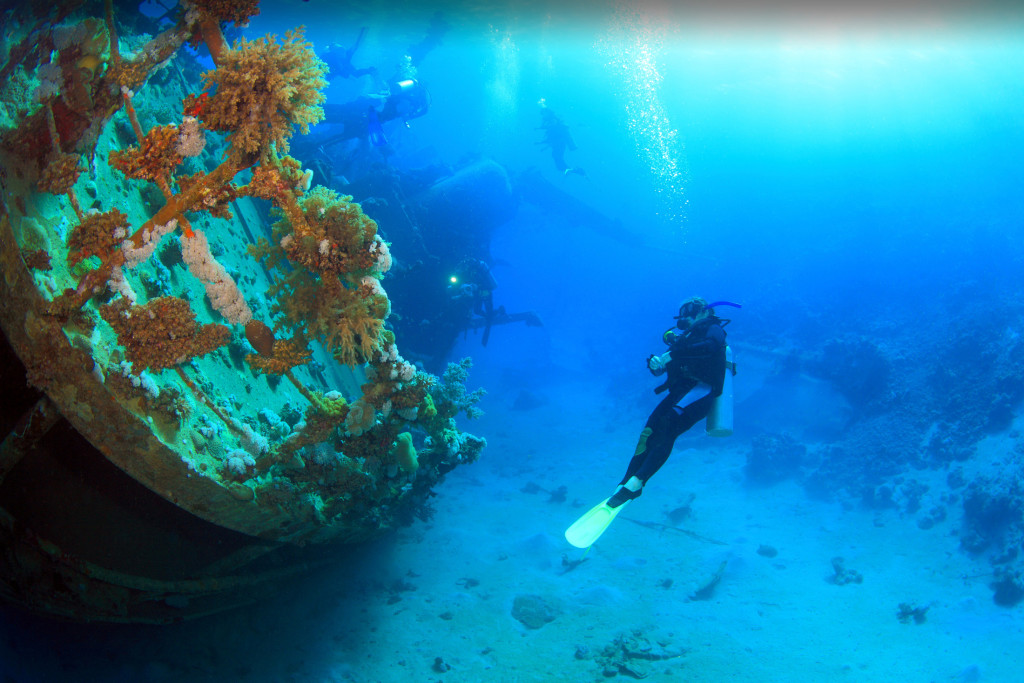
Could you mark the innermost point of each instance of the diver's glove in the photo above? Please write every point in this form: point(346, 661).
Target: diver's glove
point(656, 364)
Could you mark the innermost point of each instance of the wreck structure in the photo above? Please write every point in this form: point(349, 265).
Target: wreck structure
point(200, 403)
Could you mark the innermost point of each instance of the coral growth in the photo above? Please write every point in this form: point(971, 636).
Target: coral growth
point(154, 159)
point(99, 234)
point(341, 465)
point(80, 49)
point(60, 174)
point(162, 333)
point(335, 315)
point(285, 354)
point(361, 417)
point(214, 200)
point(335, 238)
point(237, 11)
point(262, 90)
point(450, 396)
point(333, 296)
point(268, 182)
point(221, 289)
point(405, 453)
point(320, 422)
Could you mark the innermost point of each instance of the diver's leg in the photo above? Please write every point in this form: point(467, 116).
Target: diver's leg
point(558, 154)
point(647, 447)
point(663, 427)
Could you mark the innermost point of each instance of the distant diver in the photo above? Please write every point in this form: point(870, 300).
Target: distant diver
point(365, 116)
point(435, 36)
point(697, 361)
point(558, 138)
point(472, 291)
point(339, 60)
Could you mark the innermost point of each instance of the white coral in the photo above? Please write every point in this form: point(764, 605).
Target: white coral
point(224, 294)
point(406, 371)
point(191, 138)
point(361, 417)
point(382, 255)
point(118, 284)
point(239, 462)
point(133, 255)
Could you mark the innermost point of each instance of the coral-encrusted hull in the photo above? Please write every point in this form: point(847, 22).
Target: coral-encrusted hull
point(241, 371)
point(130, 442)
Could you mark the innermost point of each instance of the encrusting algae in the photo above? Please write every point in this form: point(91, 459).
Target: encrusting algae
point(158, 259)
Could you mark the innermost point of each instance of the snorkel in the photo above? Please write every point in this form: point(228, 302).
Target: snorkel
point(694, 313)
point(723, 303)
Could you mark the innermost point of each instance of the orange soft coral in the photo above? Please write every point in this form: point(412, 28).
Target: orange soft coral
point(262, 90)
point(99, 234)
point(334, 238)
point(285, 355)
point(342, 319)
point(60, 174)
point(154, 160)
point(162, 333)
point(332, 293)
point(275, 179)
point(238, 11)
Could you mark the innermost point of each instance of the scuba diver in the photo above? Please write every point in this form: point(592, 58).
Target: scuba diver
point(363, 117)
point(697, 362)
point(339, 59)
point(474, 283)
point(435, 36)
point(558, 138)
point(472, 292)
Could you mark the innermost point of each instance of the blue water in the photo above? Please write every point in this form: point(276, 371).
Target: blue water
point(821, 169)
point(857, 186)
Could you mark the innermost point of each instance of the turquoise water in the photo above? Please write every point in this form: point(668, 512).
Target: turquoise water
point(856, 183)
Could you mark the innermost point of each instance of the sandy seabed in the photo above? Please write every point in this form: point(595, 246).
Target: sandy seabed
point(438, 601)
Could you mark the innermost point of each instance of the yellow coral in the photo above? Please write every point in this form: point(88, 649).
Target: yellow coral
point(262, 89)
point(405, 452)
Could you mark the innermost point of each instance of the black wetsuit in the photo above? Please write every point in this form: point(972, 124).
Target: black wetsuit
point(697, 358)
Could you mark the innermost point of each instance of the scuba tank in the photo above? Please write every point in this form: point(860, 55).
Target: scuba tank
point(719, 420)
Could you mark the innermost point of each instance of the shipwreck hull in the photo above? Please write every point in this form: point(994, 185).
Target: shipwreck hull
point(80, 539)
point(197, 404)
point(84, 534)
